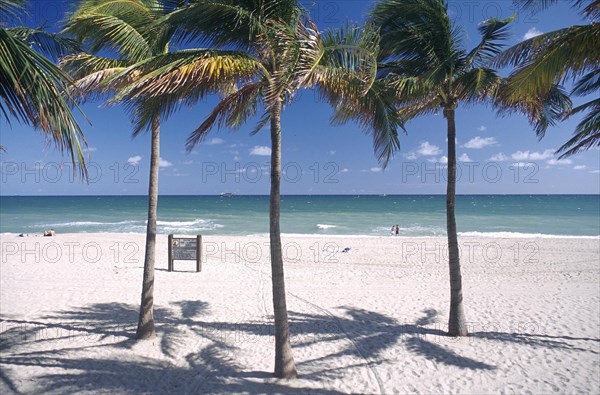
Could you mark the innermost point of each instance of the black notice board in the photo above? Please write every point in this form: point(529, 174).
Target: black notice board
point(185, 248)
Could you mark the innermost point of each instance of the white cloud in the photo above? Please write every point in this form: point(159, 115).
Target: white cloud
point(427, 149)
point(542, 155)
point(260, 150)
point(236, 158)
point(482, 128)
point(188, 162)
point(580, 167)
point(410, 156)
point(332, 152)
point(89, 149)
point(164, 163)
point(595, 171)
point(499, 157)
point(523, 164)
point(526, 155)
point(134, 160)
point(442, 160)
point(464, 158)
point(376, 169)
point(214, 141)
point(345, 170)
point(480, 142)
point(553, 162)
point(531, 33)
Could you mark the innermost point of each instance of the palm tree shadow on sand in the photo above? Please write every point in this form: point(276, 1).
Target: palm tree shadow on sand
point(107, 363)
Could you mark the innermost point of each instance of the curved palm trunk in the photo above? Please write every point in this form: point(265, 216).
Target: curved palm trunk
point(145, 327)
point(456, 323)
point(285, 367)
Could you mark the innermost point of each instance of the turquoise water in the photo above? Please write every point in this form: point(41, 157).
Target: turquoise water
point(417, 215)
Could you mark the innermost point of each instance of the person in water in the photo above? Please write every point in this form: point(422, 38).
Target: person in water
point(396, 230)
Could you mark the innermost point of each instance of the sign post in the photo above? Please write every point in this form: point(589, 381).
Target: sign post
point(186, 249)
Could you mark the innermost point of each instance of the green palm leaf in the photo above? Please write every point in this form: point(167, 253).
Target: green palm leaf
point(232, 111)
point(182, 72)
point(493, 32)
point(587, 133)
point(33, 90)
point(552, 58)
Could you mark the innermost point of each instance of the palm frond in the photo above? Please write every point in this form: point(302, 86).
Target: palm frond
point(233, 24)
point(116, 25)
point(82, 64)
point(542, 111)
point(534, 5)
point(587, 132)
point(552, 58)
point(144, 111)
point(493, 32)
point(10, 9)
point(477, 85)
point(587, 84)
point(418, 30)
point(264, 120)
point(590, 8)
point(216, 23)
point(281, 49)
point(353, 50)
point(374, 111)
point(417, 108)
point(92, 75)
point(33, 90)
point(232, 112)
point(410, 89)
point(181, 72)
point(49, 44)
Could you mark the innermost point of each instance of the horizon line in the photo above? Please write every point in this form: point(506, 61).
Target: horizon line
point(317, 194)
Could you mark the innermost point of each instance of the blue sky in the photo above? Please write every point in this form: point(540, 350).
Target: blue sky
point(497, 155)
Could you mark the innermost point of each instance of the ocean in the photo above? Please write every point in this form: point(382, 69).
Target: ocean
point(365, 215)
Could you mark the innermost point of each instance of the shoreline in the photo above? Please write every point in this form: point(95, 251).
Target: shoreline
point(467, 235)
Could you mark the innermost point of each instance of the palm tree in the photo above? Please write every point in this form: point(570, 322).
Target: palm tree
point(128, 29)
point(572, 53)
point(422, 57)
point(33, 89)
point(261, 54)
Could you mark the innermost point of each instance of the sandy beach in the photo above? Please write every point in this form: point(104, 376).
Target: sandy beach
point(370, 320)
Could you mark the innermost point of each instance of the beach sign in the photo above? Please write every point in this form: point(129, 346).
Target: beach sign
point(185, 249)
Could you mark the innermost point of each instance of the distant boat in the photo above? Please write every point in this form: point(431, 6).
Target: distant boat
point(227, 194)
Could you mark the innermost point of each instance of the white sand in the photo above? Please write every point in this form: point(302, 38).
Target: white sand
point(366, 321)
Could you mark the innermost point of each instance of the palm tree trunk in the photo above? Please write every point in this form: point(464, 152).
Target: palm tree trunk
point(456, 324)
point(145, 327)
point(285, 367)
